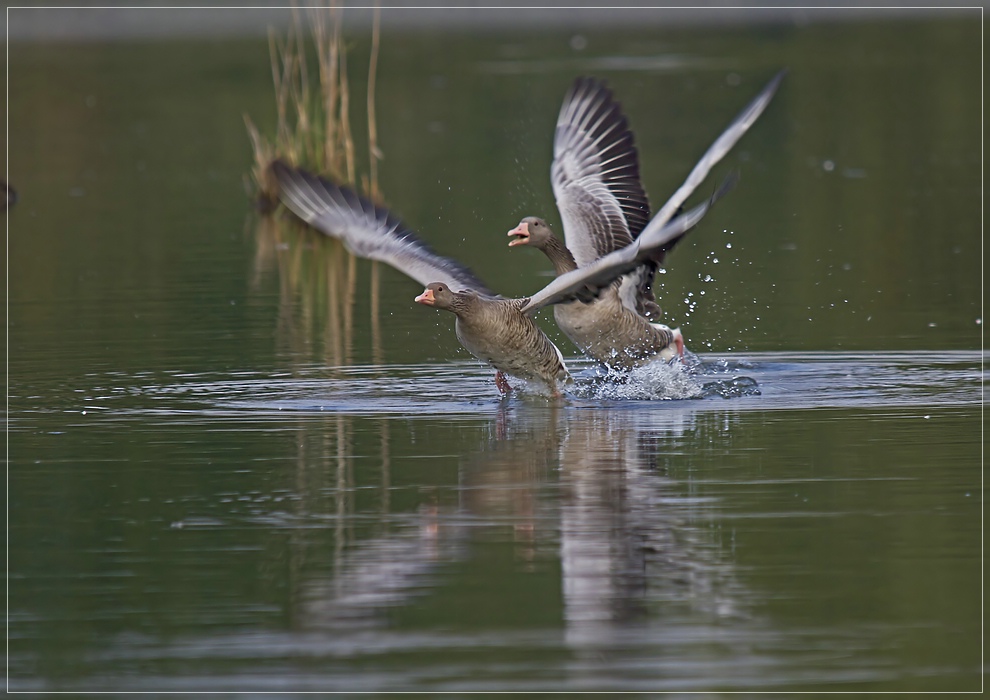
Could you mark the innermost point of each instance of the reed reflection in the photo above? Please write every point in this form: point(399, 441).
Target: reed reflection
point(318, 285)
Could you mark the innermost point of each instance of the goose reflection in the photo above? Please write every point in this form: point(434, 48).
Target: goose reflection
point(632, 544)
point(582, 485)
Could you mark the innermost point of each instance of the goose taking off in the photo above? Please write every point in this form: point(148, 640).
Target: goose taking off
point(602, 205)
point(498, 331)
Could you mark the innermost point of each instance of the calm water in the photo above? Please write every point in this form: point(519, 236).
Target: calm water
point(239, 461)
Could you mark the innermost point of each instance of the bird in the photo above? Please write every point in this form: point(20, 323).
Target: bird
point(603, 206)
point(498, 331)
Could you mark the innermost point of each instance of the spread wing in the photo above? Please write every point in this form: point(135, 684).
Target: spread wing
point(723, 144)
point(366, 230)
point(585, 283)
point(595, 174)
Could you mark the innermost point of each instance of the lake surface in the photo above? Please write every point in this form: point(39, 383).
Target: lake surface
point(241, 461)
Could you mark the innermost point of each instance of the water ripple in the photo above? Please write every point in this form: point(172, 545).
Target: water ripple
point(461, 389)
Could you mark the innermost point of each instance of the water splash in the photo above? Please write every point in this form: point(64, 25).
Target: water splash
point(654, 381)
point(731, 388)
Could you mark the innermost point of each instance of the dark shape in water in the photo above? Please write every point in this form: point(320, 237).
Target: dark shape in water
point(731, 388)
point(11, 195)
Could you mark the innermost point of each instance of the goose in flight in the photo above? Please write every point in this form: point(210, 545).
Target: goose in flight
point(603, 207)
point(498, 331)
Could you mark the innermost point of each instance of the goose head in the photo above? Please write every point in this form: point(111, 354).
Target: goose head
point(533, 231)
point(439, 295)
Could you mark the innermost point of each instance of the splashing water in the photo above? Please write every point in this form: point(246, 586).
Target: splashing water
point(653, 381)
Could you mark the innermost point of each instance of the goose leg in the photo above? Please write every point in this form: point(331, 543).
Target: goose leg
point(502, 383)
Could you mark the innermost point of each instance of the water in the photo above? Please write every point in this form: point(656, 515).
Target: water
point(237, 462)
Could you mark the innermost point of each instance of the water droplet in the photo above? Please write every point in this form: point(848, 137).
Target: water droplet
point(728, 245)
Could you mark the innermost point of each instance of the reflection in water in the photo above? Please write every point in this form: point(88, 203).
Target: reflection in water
point(377, 574)
point(317, 288)
point(632, 546)
point(579, 484)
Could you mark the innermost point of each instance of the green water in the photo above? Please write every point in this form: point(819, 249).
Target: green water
point(216, 481)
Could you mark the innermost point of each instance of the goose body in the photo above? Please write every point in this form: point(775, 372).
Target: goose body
point(496, 330)
point(606, 329)
point(602, 205)
point(629, 339)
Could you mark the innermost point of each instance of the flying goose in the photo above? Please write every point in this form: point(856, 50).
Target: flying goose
point(602, 205)
point(496, 330)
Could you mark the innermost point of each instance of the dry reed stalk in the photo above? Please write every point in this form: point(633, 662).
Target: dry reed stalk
point(313, 125)
point(313, 130)
point(374, 154)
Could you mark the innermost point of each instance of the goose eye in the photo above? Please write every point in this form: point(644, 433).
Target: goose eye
point(440, 288)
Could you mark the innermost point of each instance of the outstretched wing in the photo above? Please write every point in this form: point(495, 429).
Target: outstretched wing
point(366, 230)
point(595, 174)
point(585, 283)
point(636, 291)
point(723, 144)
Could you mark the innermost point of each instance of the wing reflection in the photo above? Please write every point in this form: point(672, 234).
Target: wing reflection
point(380, 574)
point(582, 486)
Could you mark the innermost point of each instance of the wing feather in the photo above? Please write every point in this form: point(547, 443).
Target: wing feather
point(367, 230)
point(722, 145)
point(585, 283)
point(595, 174)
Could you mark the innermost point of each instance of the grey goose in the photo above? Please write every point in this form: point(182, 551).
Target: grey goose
point(603, 207)
point(496, 330)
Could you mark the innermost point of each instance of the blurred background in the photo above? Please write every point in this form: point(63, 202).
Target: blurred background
point(240, 459)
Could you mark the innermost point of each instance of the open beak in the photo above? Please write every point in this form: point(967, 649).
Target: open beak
point(521, 233)
point(426, 298)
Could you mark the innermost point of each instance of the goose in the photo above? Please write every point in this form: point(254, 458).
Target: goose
point(603, 207)
point(498, 331)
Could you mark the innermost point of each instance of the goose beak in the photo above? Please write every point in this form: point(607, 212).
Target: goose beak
point(426, 298)
point(521, 233)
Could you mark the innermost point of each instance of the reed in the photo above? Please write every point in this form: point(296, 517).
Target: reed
point(313, 121)
point(318, 277)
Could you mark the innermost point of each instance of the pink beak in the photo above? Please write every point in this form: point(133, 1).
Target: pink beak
point(426, 298)
point(522, 235)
